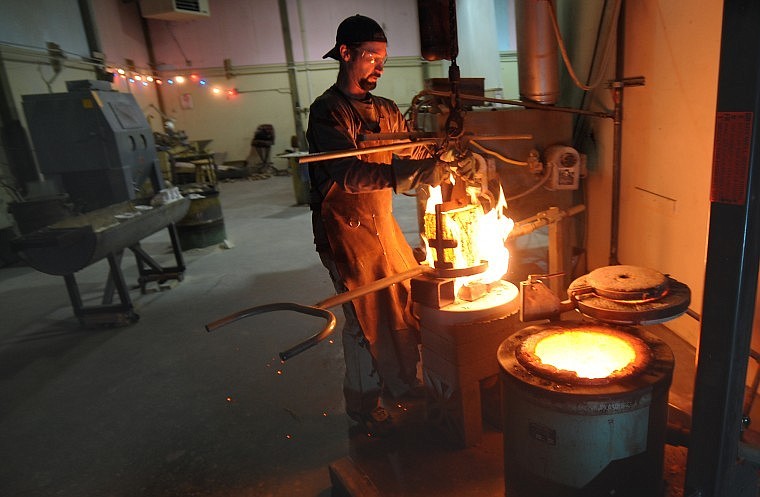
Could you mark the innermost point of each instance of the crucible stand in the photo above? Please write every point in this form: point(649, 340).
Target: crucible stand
point(458, 363)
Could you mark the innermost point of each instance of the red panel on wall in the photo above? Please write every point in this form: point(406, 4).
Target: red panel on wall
point(733, 136)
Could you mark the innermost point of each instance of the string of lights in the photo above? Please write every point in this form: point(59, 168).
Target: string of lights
point(134, 77)
point(128, 74)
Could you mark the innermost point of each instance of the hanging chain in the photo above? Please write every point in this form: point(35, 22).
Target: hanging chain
point(455, 121)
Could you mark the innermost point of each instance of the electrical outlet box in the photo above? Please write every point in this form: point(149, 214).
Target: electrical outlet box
point(565, 165)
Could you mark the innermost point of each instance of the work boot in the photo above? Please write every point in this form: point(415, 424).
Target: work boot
point(377, 422)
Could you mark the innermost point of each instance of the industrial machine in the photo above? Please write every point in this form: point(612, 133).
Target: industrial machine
point(94, 142)
point(585, 403)
point(96, 145)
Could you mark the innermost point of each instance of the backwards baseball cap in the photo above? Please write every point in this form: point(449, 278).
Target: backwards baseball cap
point(355, 29)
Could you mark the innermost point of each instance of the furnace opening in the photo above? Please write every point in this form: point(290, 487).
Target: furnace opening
point(584, 355)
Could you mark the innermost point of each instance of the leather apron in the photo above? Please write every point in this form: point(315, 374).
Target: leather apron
point(367, 244)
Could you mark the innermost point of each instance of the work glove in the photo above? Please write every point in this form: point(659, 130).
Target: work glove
point(465, 167)
point(436, 174)
point(449, 155)
point(410, 173)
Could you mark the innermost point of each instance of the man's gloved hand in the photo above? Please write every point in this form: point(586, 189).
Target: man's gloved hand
point(465, 167)
point(409, 173)
point(435, 175)
point(449, 155)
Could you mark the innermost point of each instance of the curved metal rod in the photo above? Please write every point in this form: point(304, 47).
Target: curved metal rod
point(314, 339)
point(319, 309)
point(284, 306)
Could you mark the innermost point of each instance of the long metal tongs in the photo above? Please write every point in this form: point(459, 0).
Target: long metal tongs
point(353, 152)
point(319, 309)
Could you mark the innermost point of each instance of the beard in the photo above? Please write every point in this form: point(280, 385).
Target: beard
point(367, 85)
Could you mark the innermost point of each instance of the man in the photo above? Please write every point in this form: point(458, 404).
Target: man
point(355, 233)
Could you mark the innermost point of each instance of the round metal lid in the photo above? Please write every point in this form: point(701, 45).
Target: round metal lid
point(627, 283)
point(629, 295)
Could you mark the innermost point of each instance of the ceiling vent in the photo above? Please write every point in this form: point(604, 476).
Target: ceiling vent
point(174, 10)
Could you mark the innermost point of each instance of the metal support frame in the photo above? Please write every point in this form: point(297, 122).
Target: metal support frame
point(150, 270)
point(715, 467)
point(107, 313)
point(123, 313)
point(557, 257)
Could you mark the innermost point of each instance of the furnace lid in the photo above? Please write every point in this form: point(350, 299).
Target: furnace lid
point(629, 295)
point(627, 282)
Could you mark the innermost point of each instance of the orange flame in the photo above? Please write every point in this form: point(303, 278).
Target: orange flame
point(480, 236)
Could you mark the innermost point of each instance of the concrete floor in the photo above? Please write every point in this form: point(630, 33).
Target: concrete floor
point(164, 408)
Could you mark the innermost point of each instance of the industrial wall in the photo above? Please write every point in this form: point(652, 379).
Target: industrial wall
point(667, 143)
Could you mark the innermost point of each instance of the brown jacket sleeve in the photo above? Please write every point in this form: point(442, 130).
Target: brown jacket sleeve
point(335, 125)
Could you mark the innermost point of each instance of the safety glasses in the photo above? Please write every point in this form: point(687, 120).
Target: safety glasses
point(374, 58)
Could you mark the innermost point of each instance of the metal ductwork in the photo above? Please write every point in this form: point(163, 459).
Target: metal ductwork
point(537, 61)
